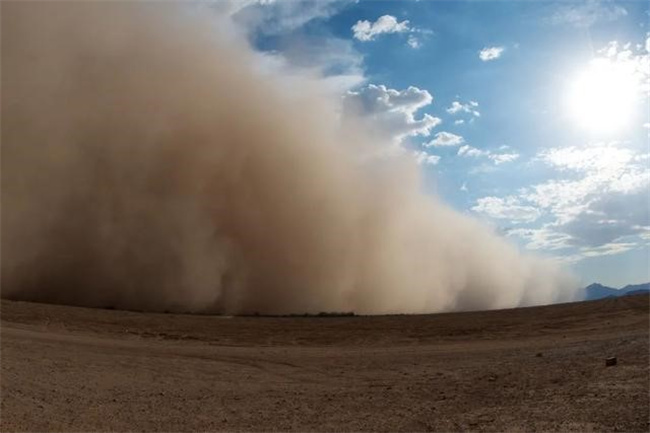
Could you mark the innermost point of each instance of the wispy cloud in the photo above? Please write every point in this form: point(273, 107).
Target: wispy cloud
point(501, 158)
point(423, 157)
point(276, 17)
point(586, 14)
point(508, 208)
point(334, 59)
point(608, 249)
point(468, 150)
point(497, 158)
point(544, 238)
point(635, 63)
point(414, 42)
point(602, 198)
point(445, 139)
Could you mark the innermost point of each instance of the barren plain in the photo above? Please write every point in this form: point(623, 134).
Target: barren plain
point(528, 369)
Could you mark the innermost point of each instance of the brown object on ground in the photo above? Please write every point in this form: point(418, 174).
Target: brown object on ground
point(77, 369)
point(609, 362)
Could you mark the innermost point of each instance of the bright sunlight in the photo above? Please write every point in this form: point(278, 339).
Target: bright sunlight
point(601, 98)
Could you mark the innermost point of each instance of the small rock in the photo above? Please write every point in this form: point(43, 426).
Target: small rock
point(610, 362)
point(539, 354)
point(485, 418)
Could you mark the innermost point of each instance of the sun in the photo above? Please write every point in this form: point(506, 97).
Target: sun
point(601, 98)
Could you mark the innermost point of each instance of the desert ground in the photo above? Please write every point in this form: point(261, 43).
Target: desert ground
point(528, 369)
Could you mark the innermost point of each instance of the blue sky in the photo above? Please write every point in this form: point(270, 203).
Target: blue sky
point(529, 115)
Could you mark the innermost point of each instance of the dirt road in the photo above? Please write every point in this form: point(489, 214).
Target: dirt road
point(543, 368)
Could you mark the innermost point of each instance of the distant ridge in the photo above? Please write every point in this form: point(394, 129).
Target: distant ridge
point(598, 291)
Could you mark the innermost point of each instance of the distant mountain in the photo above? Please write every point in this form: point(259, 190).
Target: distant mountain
point(598, 291)
point(634, 288)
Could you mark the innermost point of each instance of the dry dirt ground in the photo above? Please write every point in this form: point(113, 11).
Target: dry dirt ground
point(530, 369)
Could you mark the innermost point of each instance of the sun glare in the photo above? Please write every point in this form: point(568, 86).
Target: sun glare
point(601, 98)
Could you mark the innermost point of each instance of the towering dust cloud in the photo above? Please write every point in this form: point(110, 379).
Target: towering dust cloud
point(147, 164)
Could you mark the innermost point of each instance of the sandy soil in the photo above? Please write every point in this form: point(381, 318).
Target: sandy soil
point(543, 368)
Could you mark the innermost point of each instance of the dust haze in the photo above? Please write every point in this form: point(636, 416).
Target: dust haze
point(147, 163)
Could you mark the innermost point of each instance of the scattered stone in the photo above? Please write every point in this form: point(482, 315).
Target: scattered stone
point(610, 362)
point(485, 418)
point(539, 354)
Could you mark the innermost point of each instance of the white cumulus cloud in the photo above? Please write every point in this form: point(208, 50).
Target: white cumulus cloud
point(471, 108)
point(393, 112)
point(367, 31)
point(491, 53)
